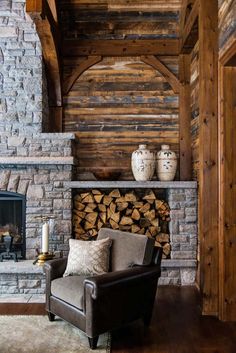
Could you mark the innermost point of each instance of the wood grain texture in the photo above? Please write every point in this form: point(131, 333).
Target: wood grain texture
point(166, 73)
point(121, 47)
point(185, 154)
point(176, 327)
point(194, 103)
point(116, 105)
point(189, 34)
point(208, 155)
point(227, 23)
point(227, 194)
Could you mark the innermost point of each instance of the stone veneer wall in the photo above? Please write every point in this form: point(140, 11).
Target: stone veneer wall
point(181, 269)
point(23, 106)
point(37, 168)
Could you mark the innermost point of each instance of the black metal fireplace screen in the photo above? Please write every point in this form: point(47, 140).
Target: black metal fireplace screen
point(12, 225)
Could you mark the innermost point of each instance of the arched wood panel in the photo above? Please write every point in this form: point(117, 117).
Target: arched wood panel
point(118, 104)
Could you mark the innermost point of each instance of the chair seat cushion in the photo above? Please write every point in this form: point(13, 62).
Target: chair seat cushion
point(69, 289)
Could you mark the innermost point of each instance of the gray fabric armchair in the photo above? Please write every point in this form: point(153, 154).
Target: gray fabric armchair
point(105, 302)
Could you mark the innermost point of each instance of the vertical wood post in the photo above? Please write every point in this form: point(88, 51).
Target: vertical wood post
point(227, 254)
point(208, 155)
point(185, 153)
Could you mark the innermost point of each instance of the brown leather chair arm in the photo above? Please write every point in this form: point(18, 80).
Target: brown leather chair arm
point(116, 298)
point(120, 279)
point(55, 268)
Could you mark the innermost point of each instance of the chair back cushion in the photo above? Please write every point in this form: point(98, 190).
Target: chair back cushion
point(128, 249)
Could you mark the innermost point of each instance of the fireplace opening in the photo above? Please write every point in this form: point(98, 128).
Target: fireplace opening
point(12, 223)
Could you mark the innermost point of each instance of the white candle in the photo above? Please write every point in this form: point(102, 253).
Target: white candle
point(45, 237)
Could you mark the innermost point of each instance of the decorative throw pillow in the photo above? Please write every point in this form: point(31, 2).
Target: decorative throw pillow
point(88, 257)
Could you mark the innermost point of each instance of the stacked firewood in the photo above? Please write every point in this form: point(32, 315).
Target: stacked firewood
point(127, 212)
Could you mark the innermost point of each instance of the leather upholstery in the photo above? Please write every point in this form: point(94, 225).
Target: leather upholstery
point(109, 300)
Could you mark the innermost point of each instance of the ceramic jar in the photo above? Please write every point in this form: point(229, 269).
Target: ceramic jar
point(166, 164)
point(143, 163)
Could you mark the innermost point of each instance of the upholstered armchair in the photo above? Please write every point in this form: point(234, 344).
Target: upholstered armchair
point(101, 303)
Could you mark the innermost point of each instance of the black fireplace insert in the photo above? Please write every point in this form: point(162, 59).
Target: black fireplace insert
point(12, 223)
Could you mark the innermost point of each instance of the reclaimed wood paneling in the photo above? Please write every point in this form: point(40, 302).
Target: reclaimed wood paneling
point(227, 22)
point(194, 88)
point(116, 105)
point(124, 5)
point(96, 24)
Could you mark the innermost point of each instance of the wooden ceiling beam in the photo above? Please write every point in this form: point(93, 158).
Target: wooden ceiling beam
point(164, 71)
point(120, 47)
point(189, 32)
point(77, 72)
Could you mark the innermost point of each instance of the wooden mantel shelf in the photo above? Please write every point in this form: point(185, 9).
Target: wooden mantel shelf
point(131, 184)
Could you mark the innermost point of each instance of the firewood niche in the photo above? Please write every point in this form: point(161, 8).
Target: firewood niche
point(141, 212)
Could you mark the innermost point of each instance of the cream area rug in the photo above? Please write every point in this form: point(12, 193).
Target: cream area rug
point(36, 334)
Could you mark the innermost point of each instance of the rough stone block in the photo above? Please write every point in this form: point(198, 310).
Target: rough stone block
point(41, 179)
point(188, 277)
point(35, 192)
point(188, 228)
point(183, 255)
point(8, 32)
point(29, 283)
point(62, 204)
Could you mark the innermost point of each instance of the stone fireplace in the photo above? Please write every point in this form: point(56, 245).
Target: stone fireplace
point(36, 170)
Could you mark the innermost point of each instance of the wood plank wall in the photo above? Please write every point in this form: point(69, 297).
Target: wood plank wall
point(194, 86)
point(116, 105)
point(227, 22)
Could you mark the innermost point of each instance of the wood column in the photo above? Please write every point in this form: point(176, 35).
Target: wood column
point(208, 155)
point(185, 153)
point(227, 298)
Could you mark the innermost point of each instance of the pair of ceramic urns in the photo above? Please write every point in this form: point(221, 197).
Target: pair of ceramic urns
point(144, 162)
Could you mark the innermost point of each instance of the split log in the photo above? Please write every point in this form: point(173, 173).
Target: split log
point(149, 196)
point(130, 197)
point(102, 207)
point(114, 224)
point(98, 198)
point(135, 228)
point(106, 200)
point(115, 217)
point(96, 192)
point(115, 193)
point(135, 214)
point(90, 207)
point(126, 221)
point(103, 217)
point(91, 217)
point(78, 205)
point(122, 205)
point(150, 215)
point(146, 207)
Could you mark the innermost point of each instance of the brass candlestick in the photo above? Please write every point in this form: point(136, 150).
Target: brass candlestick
point(43, 257)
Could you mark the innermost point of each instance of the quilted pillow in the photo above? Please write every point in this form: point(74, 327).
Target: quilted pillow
point(88, 257)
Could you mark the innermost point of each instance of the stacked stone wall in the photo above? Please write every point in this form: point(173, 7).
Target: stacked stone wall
point(22, 103)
